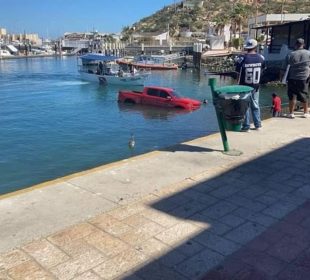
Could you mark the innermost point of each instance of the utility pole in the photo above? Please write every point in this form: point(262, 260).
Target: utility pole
point(282, 10)
point(256, 14)
point(255, 20)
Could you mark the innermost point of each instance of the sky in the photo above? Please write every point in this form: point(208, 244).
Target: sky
point(52, 18)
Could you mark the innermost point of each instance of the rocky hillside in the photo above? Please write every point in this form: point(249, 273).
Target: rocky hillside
point(176, 17)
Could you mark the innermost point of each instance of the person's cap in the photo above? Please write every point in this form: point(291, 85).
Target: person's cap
point(250, 44)
point(300, 41)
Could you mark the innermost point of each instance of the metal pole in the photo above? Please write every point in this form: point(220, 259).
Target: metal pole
point(212, 83)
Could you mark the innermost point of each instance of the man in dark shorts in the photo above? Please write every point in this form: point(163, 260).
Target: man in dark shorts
point(298, 77)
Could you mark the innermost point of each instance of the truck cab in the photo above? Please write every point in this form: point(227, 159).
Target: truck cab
point(158, 96)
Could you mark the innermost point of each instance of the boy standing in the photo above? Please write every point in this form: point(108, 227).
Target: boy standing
point(276, 105)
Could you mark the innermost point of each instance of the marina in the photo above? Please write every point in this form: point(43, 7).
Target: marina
point(164, 141)
point(52, 123)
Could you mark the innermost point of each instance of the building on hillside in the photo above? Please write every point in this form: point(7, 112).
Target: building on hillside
point(213, 38)
point(151, 38)
point(191, 4)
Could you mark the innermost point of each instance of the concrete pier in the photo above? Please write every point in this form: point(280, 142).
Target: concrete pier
point(187, 212)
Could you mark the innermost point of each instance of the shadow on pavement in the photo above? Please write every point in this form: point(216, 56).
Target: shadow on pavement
point(188, 148)
point(223, 215)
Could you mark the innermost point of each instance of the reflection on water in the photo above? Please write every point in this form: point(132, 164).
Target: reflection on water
point(150, 112)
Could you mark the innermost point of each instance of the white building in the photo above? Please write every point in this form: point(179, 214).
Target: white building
point(2, 32)
point(190, 4)
point(152, 38)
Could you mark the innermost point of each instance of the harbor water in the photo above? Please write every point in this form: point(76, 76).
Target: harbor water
point(54, 124)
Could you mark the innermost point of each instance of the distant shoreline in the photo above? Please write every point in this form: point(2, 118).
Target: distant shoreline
point(35, 56)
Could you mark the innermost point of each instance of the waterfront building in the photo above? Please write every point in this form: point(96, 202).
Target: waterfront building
point(25, 38)
point(17, 44)
point(90, 41)
point(282, 38)
point(19, 38)
point(255, 23)
point(2, 33)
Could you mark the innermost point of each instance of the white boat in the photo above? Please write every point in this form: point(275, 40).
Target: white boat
point(154, 62)
point(104, 69)
point(5, 53)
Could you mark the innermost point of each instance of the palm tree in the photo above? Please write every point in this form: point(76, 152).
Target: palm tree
point(239, 16)
point(220, 21)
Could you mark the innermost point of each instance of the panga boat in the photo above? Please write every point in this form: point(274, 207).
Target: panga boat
point(101, 68)
point(5, 53)
point(154, 62)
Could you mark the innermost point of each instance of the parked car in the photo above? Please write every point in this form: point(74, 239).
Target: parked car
point(158, 96)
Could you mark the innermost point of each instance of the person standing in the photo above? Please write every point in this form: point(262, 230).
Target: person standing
point(250, 66)
point(276, 105)
point(100, 68)
point(298, 62)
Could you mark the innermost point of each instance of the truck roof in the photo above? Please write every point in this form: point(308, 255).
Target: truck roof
point(157, 87)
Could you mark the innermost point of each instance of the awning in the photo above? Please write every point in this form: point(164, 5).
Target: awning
point(280, 24)
point(98, 57)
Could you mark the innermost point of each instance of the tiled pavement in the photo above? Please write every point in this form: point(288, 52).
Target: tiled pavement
point(280, 252)
point(236, 221)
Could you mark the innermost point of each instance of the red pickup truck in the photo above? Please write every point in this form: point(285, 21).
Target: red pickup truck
point(158, 96)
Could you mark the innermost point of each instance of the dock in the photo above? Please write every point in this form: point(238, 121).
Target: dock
point(185, 212)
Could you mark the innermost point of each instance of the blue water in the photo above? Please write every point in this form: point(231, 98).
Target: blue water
point(53, 124)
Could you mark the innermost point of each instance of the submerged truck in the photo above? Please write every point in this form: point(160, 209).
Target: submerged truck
point(158, 96)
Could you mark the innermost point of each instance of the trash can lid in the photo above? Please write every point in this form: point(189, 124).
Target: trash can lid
point(234, 89)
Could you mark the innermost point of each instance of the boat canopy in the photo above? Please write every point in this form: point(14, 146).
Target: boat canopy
point(99, 57)
point(12, 48)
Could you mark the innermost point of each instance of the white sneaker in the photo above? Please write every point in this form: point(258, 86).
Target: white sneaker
point(306, 115)
point(256, 128)
point(291, 116)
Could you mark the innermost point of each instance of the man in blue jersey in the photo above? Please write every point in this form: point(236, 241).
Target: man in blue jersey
point(250, 66)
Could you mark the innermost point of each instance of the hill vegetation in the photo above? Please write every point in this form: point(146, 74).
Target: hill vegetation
point(215, 12)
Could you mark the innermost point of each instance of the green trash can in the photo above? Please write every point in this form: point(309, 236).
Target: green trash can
point(232, 102)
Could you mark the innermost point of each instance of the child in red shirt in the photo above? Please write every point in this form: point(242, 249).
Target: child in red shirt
point(276, 105)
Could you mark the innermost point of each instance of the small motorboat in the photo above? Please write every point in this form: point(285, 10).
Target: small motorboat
point(104, 69)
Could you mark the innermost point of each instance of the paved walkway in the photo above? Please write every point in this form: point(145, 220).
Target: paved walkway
point(189, 212)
